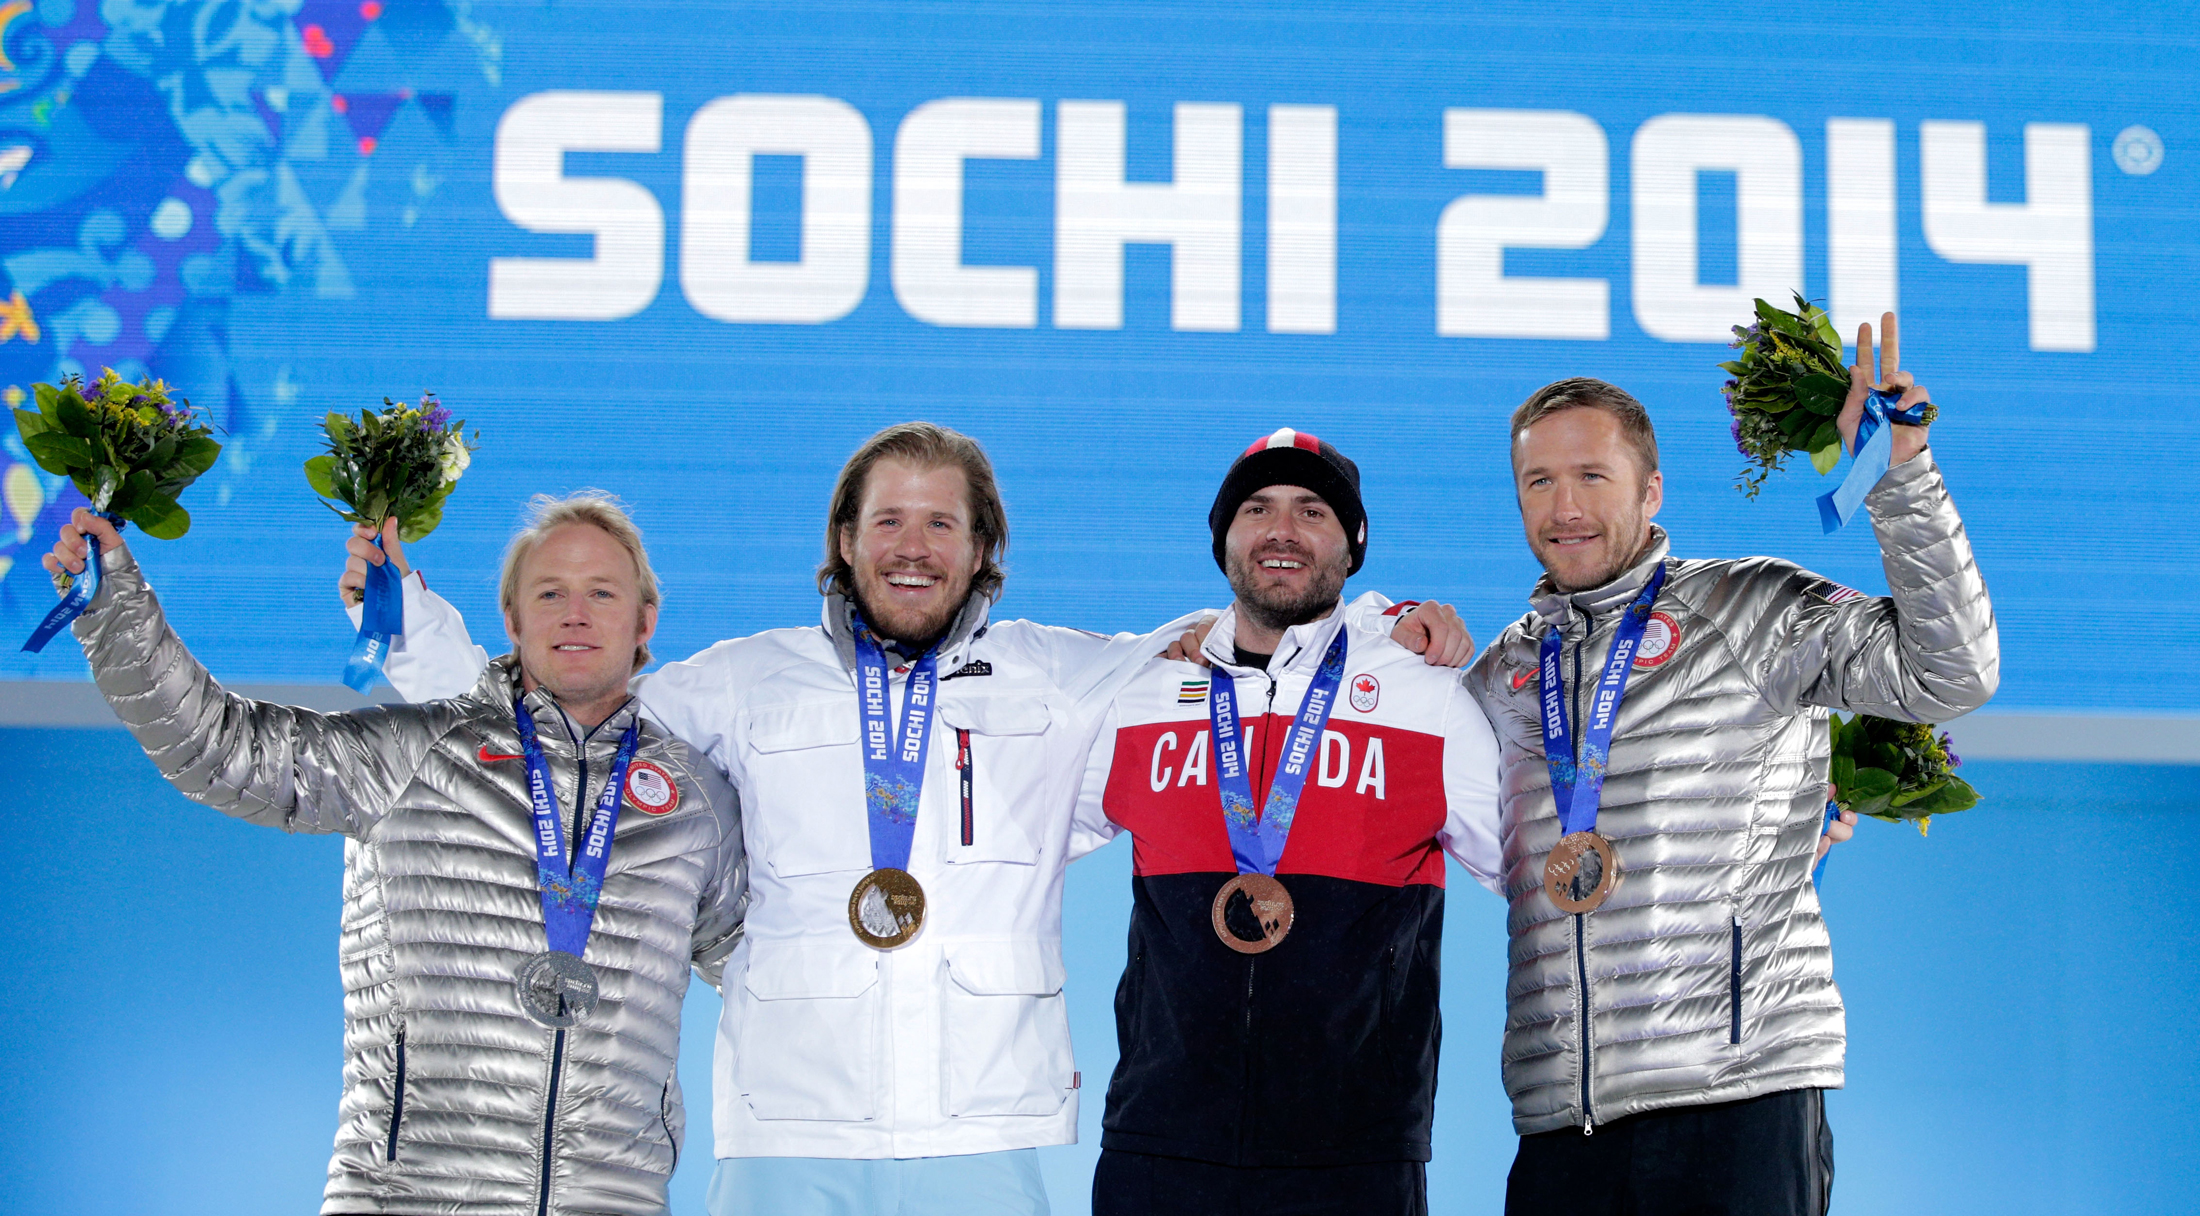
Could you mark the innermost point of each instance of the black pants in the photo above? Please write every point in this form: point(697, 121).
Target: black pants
point(1139, 1184)
point(1768, 1156)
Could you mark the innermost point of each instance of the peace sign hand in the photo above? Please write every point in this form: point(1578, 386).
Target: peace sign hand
point(1908, 440)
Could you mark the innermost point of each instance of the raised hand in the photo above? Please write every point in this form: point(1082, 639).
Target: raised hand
point(361, 551)
point(1908, 440)
point(68, 554)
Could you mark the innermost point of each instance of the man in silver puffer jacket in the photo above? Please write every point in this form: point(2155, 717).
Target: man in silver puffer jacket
point(1667, 1050)
point(455, 1099)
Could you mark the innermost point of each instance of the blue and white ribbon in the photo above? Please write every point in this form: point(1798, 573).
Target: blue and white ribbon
point(1577, 782)
point(1874, 452)
point(893, 759)
point(571, 885)
point(78, 598)
point(381, 617)
point(1257, 842)
point(1818, 872)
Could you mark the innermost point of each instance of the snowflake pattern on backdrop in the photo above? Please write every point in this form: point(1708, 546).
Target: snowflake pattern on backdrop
point(158, 159)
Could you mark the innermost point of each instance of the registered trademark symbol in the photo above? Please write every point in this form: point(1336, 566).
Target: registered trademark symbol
point(2138, 151)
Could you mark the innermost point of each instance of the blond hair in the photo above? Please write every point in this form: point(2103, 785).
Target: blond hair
point(546, 513)
point(927, 446)
point(1581, 392)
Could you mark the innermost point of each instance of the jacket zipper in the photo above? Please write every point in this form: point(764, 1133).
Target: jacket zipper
point(557, 1042)
point(968, 769)
point(550, 1121)
point(1245, 1088)
point(1581, 955)
point(397, 1104)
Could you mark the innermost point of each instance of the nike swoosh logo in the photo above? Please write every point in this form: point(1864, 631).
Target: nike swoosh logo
point(1520, 678)
point(490, 757)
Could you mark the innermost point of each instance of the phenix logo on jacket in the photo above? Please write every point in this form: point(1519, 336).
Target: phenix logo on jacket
point(1323, 1049)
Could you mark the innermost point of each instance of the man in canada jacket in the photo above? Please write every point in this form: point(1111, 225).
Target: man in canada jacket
point(1668, 1038)
point(482, 1075)
point(1278, 1019)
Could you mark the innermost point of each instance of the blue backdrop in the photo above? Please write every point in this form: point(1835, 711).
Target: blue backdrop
point(693, 253)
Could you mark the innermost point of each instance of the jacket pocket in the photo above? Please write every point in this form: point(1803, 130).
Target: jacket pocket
point(672, 1115)
point(1734, 987)
point(809, 1032)
point(1009, 736)
point(397, 1100)
point(812, 749)
point(1006, 1030)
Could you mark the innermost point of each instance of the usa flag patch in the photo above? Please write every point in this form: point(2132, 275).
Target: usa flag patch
point(1834, 593)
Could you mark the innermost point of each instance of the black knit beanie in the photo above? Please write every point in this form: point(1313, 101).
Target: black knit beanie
point(1293, 458)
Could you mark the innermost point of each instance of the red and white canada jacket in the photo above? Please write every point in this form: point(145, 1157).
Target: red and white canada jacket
point(1322, 1050)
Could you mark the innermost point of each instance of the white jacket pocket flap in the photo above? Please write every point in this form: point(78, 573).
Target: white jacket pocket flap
point(1005, 968)
point(795, 727)
point(808, 969)
point(997, 715)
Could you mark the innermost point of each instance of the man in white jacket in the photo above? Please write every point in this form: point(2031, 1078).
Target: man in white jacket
point(894, 1038)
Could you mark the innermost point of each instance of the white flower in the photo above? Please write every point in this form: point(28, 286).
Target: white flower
point(454, 459)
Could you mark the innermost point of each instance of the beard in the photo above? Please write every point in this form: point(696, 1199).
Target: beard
point(1610, 556)
point(913, 629)
point(1279, 608)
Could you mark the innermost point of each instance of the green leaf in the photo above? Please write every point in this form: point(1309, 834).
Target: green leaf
point(105, 481)
point(75, 418)
point(31, 422)
point(1842, 773)
point(1826, 458)
point(1869, 791)
point(320, 474)
point(58, 453)
point(198, 453)
point(45, 395)
point(422, 521)
point(1906, 797)
point(162, 519)
point(1950, 796)
point(134, 492)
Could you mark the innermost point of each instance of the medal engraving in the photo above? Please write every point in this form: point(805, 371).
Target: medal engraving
point(1253, 913)
point(556, 988)
point(886, 909)
point(1581, 872)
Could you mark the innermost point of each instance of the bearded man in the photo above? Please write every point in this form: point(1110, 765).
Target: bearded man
point(1672, 1020)
point(515, 948)
point(1291, 809)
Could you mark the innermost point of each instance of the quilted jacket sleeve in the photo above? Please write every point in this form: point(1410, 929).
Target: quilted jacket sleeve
point(268, 764)
point(1927, 652)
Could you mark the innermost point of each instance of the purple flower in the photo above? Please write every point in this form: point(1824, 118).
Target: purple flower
point(1734, 428)
point(1948, 745)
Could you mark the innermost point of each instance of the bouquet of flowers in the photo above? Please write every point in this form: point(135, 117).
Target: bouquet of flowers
point(131, 449)
point(1897, 771)
point(403, 460)
point(1786, 391)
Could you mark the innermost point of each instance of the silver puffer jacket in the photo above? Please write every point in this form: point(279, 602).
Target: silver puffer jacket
point(1708, 976)
point(454, 1100)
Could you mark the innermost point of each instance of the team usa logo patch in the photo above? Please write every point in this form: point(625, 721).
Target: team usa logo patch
point(1191, 692)
point(650, 789)
point(1660, 639)
point(1366, 691)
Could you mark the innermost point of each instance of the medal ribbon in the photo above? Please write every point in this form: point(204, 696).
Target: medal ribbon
point(1874, 452)
point(1256, 842)
point(1578, 785)
point(570, 889)
point(893, 759)
point(381, 617)
point(79, 596)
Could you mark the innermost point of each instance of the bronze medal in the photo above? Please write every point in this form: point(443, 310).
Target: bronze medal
point(1581, 872)
point(886, 909)
point(1262, 909)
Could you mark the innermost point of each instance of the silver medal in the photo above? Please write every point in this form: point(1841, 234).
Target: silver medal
point(556, 988)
